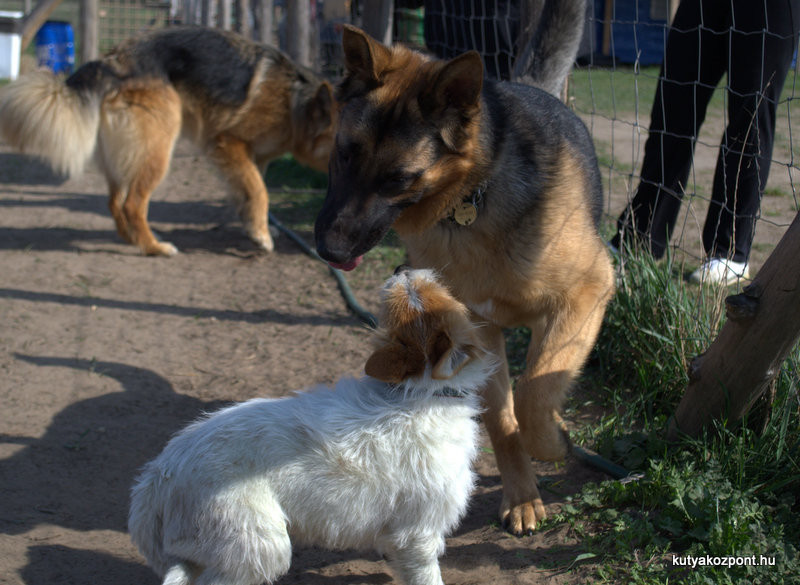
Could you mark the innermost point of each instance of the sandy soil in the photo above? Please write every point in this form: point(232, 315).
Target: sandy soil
point(620, 146)
point(105, 353)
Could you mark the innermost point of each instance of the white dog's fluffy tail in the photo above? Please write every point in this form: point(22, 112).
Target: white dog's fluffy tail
point(146, 527)
point(178, 574)
point(42, 116)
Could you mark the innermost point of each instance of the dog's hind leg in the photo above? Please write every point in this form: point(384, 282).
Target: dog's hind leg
point(116, 197)
point(139, 127)
point(417, 561)
point(235, 159)
point(522, 505)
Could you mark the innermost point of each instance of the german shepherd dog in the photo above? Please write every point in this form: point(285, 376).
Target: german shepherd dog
point(243, 103)
point(496, 186)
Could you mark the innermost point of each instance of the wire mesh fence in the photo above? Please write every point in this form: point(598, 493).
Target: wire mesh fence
point(612, 87)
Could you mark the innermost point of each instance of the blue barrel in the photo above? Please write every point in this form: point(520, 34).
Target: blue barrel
point(55, 46)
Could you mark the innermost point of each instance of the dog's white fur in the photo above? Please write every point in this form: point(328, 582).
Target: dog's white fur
point(365, 464)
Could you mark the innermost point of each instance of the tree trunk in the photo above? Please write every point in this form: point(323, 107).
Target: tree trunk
point(762, 328)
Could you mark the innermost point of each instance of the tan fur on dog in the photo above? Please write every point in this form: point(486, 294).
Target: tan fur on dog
point(418, 137)
point(243, 103)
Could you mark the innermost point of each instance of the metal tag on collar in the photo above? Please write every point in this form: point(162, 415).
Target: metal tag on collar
point(466, 212)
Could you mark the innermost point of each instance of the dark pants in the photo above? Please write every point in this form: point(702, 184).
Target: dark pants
point(707, 39)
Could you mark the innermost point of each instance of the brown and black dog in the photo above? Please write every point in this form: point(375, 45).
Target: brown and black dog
point(244, 103)
point(496, 186)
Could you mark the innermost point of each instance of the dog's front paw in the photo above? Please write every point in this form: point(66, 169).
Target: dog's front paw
point(160, 249)
point(521, 519)
point(263, 240)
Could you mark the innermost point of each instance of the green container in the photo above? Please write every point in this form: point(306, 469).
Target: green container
point(410, 26)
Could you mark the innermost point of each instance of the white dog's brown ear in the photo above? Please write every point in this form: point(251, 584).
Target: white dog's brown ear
point(395, 362)
point(448, 359)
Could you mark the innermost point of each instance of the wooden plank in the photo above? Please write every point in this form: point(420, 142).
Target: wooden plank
point(33, 21)
point(762, 328)
point(607, 16)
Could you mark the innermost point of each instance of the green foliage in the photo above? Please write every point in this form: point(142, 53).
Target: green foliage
point(732, 493)
point(286, 173)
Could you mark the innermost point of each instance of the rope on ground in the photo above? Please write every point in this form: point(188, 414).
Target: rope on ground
point(586, 457)
point(365, 316)
point(594, 460)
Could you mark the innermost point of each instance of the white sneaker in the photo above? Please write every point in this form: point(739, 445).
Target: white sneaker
point(720, 271)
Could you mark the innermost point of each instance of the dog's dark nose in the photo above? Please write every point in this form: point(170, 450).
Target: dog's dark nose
point(402, 268)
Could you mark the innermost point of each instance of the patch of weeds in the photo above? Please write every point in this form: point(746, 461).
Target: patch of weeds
point(683, 508)
point(730, 494)
point(286, 173)
point(775, 192)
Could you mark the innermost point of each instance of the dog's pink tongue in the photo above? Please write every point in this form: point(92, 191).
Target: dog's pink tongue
point(348, 266)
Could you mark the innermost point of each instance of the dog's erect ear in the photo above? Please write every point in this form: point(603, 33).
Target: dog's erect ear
point(448, 359)
point(395, 362)
point(454, 97)
point(364, 57)
point(458, 84)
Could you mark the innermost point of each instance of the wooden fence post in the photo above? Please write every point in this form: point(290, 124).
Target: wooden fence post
point(262, 9)
point(90, 30)
point(206, 13)
point(242, 11)
point(298, 32)
point(762, 328)
point(225, 14)
point(33, 21)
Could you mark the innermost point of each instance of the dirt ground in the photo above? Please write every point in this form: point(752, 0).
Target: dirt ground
point(620, 147)
point(105, 353)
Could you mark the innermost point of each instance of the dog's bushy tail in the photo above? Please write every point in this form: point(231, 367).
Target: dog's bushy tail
point(178, 574)
point(146, 527)
point(43, 116)
point(549, 54)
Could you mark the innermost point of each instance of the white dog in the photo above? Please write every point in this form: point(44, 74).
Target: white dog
point(380, 462)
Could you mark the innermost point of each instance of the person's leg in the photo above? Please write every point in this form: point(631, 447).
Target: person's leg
point(686, 83)
point(759, 62)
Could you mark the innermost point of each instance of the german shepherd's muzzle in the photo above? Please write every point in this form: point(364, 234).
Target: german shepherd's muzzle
point(358, 211)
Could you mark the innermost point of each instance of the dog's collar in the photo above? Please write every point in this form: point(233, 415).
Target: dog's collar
point(466, 211)
point(448, 392)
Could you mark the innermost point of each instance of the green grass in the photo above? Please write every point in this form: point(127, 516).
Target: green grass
point(614, 92)
point(731, 493)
